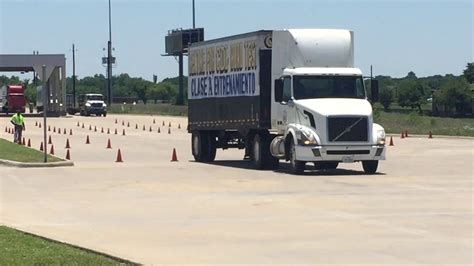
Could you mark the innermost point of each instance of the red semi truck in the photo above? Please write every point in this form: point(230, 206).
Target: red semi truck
point(12, 98)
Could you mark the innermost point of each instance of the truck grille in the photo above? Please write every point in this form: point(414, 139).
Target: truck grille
point(96, 105)
point(352, 128)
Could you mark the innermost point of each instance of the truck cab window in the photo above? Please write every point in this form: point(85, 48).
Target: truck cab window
point(311, 87)
point(286, 89)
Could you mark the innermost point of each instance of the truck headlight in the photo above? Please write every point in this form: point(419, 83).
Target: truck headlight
point(104, 105)
point(381, 137)
point(88, 104)
point(306, 137)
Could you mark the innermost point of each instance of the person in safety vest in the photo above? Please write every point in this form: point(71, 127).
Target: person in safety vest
point(19, 122)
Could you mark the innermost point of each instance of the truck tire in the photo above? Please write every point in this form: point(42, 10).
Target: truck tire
point(261, 156)
point(212, 147)
point(296, 167)
point(200, 146)
point(370, 167)
point(105, 114)
point(325, 165)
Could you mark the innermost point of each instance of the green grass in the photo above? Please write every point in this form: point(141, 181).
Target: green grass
point(150, 109)
point(17, 248)
point(418, 124)
point(14, 152)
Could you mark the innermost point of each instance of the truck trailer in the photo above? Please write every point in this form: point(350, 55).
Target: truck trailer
point(12, 99)
point(290, 95)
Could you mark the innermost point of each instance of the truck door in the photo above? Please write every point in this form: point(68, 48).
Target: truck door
point(285, 112)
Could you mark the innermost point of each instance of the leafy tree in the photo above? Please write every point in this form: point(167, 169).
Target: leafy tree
point(411, 75)
point(455, 94)
point(469, 72)
point(386, 98)
point(411, 93)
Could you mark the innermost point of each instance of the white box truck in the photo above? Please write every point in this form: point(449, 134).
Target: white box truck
point(291, 95)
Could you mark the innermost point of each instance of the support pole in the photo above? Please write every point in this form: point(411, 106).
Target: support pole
point(45, 109)
point(180, 99)
point(73, 76)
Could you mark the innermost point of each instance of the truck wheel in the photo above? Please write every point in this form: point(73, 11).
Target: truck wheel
point(212, 148)
point(296, 167)
point(326, 165)
point(370, 167)
point(199, 146)
point(261, 156)
point(105, 114)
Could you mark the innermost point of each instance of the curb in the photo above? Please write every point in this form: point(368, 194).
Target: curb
point(35, 165)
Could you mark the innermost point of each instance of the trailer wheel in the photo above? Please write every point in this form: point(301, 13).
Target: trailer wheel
point(370, 167)
point(296, 167)
point(212, 147)
point(199, 146)
point(261, 155)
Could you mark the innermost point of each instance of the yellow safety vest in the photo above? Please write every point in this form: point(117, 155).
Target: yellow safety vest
point(18, 120)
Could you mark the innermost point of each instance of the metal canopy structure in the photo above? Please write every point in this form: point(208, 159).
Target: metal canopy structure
point(55, 76)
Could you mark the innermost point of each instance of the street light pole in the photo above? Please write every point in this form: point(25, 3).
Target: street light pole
point(109, 59)
point(45, 101)
point(73, 76)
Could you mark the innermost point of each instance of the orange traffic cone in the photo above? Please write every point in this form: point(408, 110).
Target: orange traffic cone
point(54, 129)
point(51, 151)
point(115, 120)
point(174, 158)
point(128, 124)
point(391, 141)
point(67, 144)
point(402, 135)
point(169, 124)
point(78, 123)
point(39, 125)
point(102, 130)
point(41, 146)
point(123, 123)
point(6, 129)
point(36, 123)
point(144, 128)
point(163, 123)
point(115, 132)
point(123, 132)
point(49, 128)
point(136, 126)
point(154, 122)
point(151, 129)
point(179, 126)
point(50, 140)
point(406, 133)
point(90, 127)
point(29, 143)
point(119, 157)
point(70, 132)
point(23, 142)
point(430, 136)
point(68, 155)
point(88, 140)
point(108, 130)
point(109, 145)
point(65, 131)
point(169, 130)
point(95, 129)
point(159, 130)
point(82, 125)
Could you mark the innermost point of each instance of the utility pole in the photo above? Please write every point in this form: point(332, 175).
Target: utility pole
point(194, 16)
point(73, 76)
point(109, 60)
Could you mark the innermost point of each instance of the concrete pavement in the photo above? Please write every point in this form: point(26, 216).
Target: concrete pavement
point(417, 211)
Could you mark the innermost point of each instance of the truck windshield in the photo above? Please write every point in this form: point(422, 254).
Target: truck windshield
point(95, 97)
point(310, 87)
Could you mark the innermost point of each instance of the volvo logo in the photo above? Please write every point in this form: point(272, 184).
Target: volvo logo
point(268, 41)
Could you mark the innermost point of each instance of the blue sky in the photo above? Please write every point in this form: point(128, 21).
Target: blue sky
point(427, 37)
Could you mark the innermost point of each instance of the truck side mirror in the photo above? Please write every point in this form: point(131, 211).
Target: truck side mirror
point(374, 90)
point(279, 90)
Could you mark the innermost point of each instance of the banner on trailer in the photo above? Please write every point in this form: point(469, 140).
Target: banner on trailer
point(224, 69)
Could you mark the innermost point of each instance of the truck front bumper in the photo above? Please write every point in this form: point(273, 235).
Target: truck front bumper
point(347, 154)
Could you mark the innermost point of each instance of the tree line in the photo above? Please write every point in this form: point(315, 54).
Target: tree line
point(449, 92)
